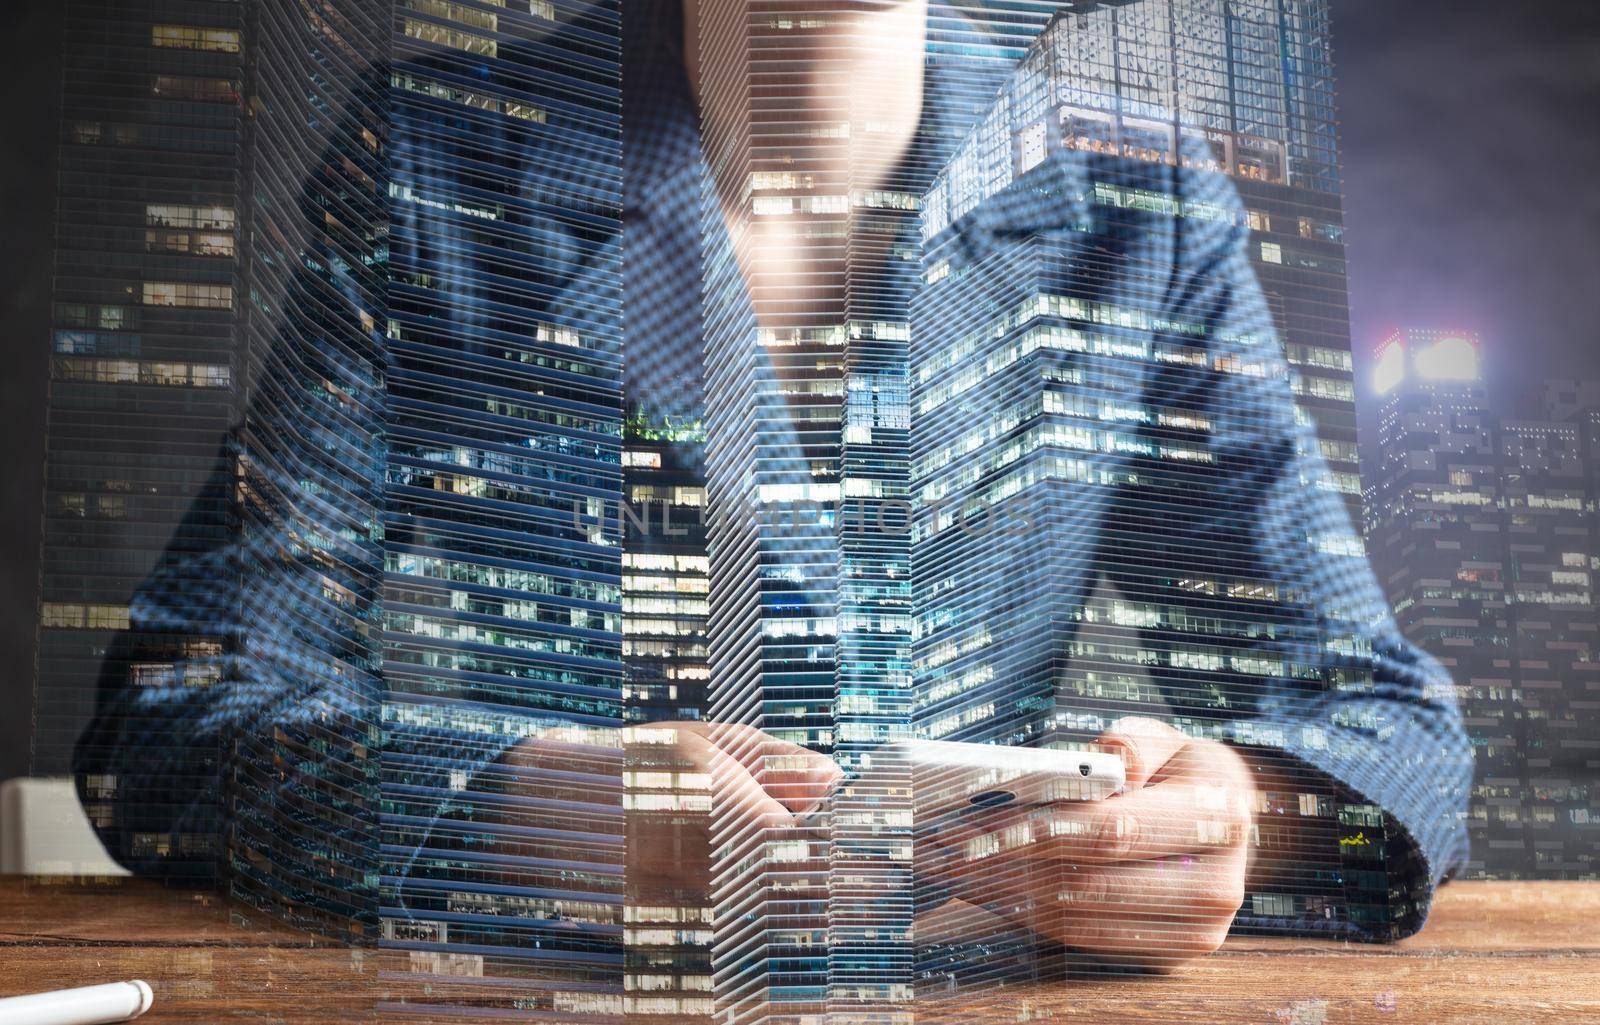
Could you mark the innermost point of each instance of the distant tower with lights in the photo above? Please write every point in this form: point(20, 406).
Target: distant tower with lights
point(1481, 531)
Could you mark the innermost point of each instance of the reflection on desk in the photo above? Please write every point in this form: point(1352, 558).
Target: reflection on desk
point(1492, 953)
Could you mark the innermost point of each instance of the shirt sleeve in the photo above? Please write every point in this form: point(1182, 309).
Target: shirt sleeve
point(1355, 700)
point(215, 734)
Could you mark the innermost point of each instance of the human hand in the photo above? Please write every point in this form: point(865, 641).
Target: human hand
point(1149, 878)
point(754, 770)
point(680, 771)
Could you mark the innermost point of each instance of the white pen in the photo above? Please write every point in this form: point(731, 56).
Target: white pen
point(90, 1005)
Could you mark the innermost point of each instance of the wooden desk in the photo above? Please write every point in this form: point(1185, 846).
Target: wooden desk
point(1493, 953)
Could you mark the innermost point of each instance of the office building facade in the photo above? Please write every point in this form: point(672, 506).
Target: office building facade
point(668, 917)
point(211, 528)
point(807, 422)
point(1482, 530)
point(502, 766)
point(131, 442)
point(1031, 431)
point(668, 921)
point(336, 435)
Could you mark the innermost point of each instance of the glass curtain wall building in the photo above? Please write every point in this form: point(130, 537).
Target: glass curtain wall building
point(1025, 367)
point(211, 533)
point(502, 610)
point(300, 773)
point(145, 378)
point(665, 583)
point(666, 573)
point(806, 463)
point(1482, 528)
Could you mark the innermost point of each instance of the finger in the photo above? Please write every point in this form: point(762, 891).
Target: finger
point(733, 788)
point(1173, 817)
point(1152, 914)
point(796, 777)
point(1145, 746)
point(1156, 821)
point(793, 775)
point(956, 921)
point(1149, 913)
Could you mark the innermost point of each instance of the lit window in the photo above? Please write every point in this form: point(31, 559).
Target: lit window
point(175, 215)
point(188, 295)
point(467, 97)
point(185, 87)
point(55, 615)
point(108, 617)
point(188, 37)
point(526, 112)
point(463, 13)
point(1272, 904)
point(882, 199)
point(200, 244)
point(558, 335)
point(456, 39)
point(1031, 149)
point(59, 615)
point(761, 181)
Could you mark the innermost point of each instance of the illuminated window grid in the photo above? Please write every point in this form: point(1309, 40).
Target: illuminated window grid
point(501, 611)
point(1034, 415)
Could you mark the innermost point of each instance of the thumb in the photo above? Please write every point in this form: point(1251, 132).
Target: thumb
point(1145, 745)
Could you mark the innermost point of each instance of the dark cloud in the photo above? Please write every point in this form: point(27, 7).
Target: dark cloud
point(1470, 153)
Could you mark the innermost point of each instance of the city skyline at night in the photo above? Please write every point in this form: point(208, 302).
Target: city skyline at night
point(525, 481)
point(1481, 525)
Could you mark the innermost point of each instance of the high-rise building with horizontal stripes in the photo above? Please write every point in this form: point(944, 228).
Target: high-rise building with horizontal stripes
point(1482, 530)
point(336, 441)
point(146, 357)
point(212, 536)
point(806, 415)
point(501, 623)
point(1048, 458)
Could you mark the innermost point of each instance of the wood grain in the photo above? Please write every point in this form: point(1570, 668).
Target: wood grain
point(1497, 953)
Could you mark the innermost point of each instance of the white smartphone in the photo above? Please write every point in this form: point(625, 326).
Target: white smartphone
point(950, 778)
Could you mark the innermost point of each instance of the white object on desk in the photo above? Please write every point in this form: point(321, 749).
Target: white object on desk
point(90, 1005)
point(44, 832)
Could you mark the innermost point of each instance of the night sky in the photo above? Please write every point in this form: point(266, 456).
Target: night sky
point(1469, 184)
point(1470, 191)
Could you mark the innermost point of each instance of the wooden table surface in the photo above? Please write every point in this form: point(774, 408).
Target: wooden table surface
point(1501, 953)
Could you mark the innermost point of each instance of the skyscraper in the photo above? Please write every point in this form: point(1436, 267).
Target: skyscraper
point(806, 462)
point(300, 786)
point(150, 190)
point(1482, 530)
point(502, 612)
point(667, 800)
point(336, 446)
point(669, 918)
point(211, 533)
point(1039, 422)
